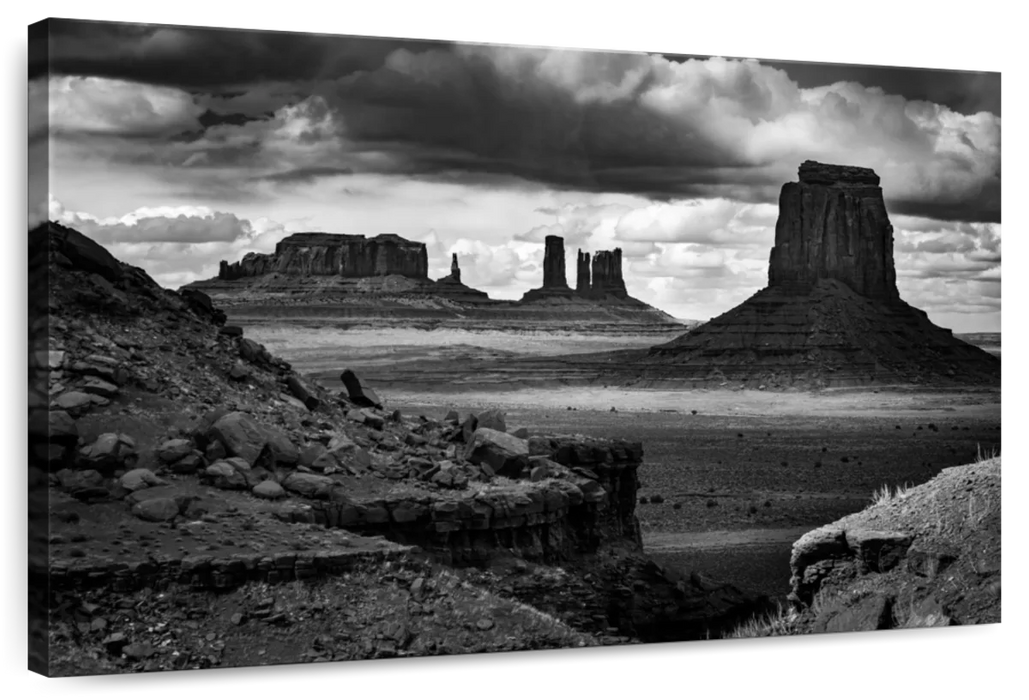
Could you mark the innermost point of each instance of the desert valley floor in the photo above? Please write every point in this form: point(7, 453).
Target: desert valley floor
point(731, 477)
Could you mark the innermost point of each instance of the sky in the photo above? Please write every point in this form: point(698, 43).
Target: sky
point(178, 147)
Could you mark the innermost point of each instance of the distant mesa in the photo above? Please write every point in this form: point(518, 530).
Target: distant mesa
point(343, 255)
point(308, 264)
point(831, 314)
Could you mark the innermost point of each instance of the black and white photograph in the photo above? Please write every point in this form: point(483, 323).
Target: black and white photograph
point(348, 348)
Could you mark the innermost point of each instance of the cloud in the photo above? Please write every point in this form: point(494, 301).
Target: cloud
point(116, 107)
point(504, 271)
point(595, 122)
point(711, 221)
point(175, 245)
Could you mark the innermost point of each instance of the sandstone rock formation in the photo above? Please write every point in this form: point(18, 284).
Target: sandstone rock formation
point(598, 279)
point(554, 264)
point(451, 287)
point(833, 225)
point(315, 254)
point(607, 274)
point(582, 272)
point(555, 281)
point(831, 314)
point(927, 557)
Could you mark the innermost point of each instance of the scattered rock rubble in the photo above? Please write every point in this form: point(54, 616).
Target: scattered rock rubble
point(171, 452)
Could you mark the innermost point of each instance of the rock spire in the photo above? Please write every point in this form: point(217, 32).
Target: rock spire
point(582, 272)
point(554, 264)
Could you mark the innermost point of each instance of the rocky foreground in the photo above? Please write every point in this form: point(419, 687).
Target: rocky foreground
point(194, 503)
point(924, 556)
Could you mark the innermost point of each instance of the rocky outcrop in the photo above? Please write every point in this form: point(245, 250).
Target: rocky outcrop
point(451, 287)
point(554, 263)
point(328, 254)
point(555, 281)
point(833, 225)
point(831, 314)
point(925, 556)
point(582, 272)
point(607, 274)
point(589, 500)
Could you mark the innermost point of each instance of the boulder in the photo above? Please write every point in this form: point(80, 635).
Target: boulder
point(300, 390)
point(269, 489)
point(309, 485)
point(280, 449)
point(373, 421)
point(503, 453)
point(110, 452)
point(201, 304)
point(492, 419)
point(173, 450)
point(241, 436)
point(362, 396)
point(160, 509)
point(468, 426)
point(138, 479)
point(74, 402)
point(253, 352)
point(224, 475)
point(99, 387)
point(188, 464)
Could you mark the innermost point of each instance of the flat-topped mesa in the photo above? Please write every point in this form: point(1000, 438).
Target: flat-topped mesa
point(815, 173)
point(343, 255)
point(607, 274)
point(554, 263)
point(582, 272)
point(833, 225)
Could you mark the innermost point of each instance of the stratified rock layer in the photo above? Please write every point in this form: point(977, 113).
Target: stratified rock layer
point(343, 255)
point(607, 274)
point(833, 225)
point(831, 314)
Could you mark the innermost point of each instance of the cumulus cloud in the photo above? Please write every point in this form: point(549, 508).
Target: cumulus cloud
point(174, 244)
point(92, 105)
point(504, 271)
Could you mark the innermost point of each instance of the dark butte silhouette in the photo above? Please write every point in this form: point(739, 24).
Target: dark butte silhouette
point(831, 314)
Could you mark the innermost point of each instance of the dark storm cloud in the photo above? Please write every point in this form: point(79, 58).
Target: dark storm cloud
point(209, 119)
point(205, 57)
point(305, 174)
point(967, 92)
point(600, 122)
